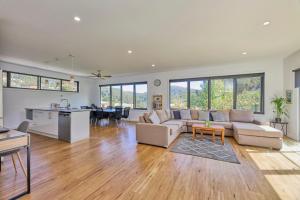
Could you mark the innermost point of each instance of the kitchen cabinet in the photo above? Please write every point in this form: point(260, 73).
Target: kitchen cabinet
point(70, 125)
point(45, 122)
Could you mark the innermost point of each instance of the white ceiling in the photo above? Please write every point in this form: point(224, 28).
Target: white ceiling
point(171, 34)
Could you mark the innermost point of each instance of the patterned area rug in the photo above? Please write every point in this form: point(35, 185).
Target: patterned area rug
point(204, 148)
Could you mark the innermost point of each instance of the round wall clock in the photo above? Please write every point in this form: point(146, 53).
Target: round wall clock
point(157, 82)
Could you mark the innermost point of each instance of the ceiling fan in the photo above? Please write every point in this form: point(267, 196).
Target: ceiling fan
point(98, 74)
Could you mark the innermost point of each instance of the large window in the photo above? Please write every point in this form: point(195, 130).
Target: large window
point(30, 81)
point(105, 96)
point(141, 96)
point(199, 94)
point(68, 86)
point(116, 95)
point(133, 95)
point(249, 93)
point(178, 94)
point(50, 84)
point(127, 96)
point(221, 94)
point(245, 92)
point(23, 81)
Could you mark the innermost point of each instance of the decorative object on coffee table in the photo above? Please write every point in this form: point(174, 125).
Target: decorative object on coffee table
point(211, 129)
point(283, 126)
point(280, 110)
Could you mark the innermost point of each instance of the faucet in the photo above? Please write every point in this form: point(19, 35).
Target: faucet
point(65, 100)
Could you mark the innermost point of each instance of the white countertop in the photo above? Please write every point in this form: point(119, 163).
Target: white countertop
point(60, 109)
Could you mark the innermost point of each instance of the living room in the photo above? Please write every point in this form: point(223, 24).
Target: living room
point(150, 100)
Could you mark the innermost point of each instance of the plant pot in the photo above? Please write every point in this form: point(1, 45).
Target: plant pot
point(278, 119)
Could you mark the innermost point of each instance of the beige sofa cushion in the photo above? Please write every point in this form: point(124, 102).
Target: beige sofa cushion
point(185, 114)
point(162, 115)
point(241, 116)
point(221, 115)
point(227, 125)
point(250, 129)
point(203, 115)
point(191, 122)
point(194, 114)
point(175, 122)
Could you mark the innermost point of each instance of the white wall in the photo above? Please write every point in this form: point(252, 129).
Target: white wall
point(16, 100)
point(272, 67)
point(290, 63)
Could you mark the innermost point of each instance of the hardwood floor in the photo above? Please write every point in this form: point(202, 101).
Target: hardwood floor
point(110, 165)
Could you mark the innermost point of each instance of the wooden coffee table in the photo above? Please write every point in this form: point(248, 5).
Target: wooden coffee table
point(212, 129)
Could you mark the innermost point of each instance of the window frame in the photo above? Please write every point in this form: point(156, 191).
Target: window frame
point(111, 92)
point(134, 92)
point(77, 83)
point(234, 77)
point(39, 77)
point(25, 74)
point(208, 93)
point(134, 96)
point(188, 92)
point(50, 78)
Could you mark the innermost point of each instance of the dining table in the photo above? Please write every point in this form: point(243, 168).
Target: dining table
point(12, 141)
point(109, 110)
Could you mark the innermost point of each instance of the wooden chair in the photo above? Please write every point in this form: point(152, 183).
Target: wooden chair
point(23, 127)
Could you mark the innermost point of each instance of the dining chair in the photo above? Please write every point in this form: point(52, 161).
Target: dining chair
point(126, 113)
point(93, 118)
point(99, 115)
point(118, 114)
point(23, 127)
point(94, 106)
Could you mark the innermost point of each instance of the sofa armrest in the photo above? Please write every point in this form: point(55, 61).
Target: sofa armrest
point(260, 122)
point(155, 134)
point(151, 127)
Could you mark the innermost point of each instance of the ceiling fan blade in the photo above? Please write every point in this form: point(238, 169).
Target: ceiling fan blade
point(107, 76)
point(95, 74)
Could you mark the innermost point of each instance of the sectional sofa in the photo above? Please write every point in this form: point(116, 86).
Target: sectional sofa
point(161, 127)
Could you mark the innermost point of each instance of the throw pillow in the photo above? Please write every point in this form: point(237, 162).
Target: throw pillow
point(203, 115)
point(154, 118)
point(218, 116)
point(162, 115)
point(185, 114)
point(169, 114)
point(146, 117)
point(226, 115)
point(241, 116)
point(176, 114)
point(194, 114)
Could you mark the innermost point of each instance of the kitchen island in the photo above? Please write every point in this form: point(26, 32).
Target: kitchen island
point(70, 125)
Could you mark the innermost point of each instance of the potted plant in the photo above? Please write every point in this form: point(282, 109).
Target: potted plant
point(279, 104)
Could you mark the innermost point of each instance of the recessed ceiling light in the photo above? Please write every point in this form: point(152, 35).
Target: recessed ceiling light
point(266, 23)
point(244, 53)
point(153, 65)
point(77, 19)
point(129, 51)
